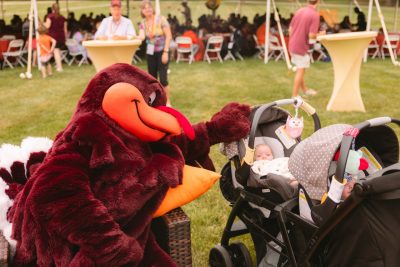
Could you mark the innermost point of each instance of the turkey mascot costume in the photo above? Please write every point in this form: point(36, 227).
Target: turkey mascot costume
point(92, 199)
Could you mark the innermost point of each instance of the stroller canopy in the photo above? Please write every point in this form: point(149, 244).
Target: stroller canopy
point(270, 120)
point(310, 160)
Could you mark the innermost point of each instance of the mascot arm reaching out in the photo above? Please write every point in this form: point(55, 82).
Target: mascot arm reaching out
point(228, 125)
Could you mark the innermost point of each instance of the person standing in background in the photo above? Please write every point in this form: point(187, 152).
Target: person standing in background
point(156, 31)
point(47, 46)
point(115, 27)
point(57, 26)
point(361, 21)
point(186, 12)
point(48, 12)
point(303, 27)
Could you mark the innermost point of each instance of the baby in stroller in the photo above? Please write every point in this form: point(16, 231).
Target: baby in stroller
point(265, 163)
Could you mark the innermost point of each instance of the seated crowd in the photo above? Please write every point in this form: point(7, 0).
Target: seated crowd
point(238, 27)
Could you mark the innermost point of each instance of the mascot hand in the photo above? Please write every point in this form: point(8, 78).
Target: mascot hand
point(230, 124)
point(17, 173)
point(169, 162)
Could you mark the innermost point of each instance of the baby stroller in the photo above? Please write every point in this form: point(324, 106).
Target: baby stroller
point(253, 205)
point(361, 231)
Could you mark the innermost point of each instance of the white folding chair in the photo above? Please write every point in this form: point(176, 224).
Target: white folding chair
point(8, 37)
point(184, 49)
point(136, 58)
point(14, 51)
point(275, 48)
point(394, 43)
point(74, 51)
point(316, 48)
point(260, 48)
point(214, 45)
point(64, 56)
point(373, 49)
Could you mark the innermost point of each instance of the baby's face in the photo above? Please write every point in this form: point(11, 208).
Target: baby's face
point(263, 153)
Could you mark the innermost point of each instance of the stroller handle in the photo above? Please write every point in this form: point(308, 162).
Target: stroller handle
point(348, 139)
point(283, 102)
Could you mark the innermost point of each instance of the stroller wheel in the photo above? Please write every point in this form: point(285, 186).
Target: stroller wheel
point(240, 255)
point(219, 257)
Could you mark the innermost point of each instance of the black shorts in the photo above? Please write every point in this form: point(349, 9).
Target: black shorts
point(61, 46)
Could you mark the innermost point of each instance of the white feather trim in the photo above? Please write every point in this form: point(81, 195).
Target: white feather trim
point(5, 225)
point(10, 154)
point(36, 144)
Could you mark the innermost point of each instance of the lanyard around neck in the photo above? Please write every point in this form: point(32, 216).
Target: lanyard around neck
point(153, 26)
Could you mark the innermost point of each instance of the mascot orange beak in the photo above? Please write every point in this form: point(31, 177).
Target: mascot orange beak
point(124, 103)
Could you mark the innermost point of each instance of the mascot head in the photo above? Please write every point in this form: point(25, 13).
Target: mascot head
point(135, 101)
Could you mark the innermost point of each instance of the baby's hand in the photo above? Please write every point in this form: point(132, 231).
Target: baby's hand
point(348, 187)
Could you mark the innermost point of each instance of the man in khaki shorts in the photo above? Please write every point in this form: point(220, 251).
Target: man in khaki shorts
point(303, 27)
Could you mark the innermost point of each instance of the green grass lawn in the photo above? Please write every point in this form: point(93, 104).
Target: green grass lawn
point(42, 107)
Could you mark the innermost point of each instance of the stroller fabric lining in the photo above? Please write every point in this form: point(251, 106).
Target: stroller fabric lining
point(272, 119)
point(382, 142)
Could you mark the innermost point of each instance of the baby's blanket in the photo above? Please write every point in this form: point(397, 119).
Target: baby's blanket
point(276, 166)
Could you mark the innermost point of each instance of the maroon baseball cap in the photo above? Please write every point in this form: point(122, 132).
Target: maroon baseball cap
point(116, 3)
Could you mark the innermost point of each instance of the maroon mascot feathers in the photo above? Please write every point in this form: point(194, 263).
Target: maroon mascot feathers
point(91, 201)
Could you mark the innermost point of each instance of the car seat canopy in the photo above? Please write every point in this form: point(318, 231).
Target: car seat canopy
point(310, 160)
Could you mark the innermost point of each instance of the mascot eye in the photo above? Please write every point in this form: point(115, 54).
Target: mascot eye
point(152, 97)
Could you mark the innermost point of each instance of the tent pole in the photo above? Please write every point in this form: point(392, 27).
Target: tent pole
point(369, 19)
point(385, 32)
point(396, 15)
point(285, 51)
point(36, 17)
point(267, 27)
point(29, 67)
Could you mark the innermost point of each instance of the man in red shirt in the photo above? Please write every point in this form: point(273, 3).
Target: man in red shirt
point(303, 27)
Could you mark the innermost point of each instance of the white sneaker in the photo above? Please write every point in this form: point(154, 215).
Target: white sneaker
point(310, 92)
